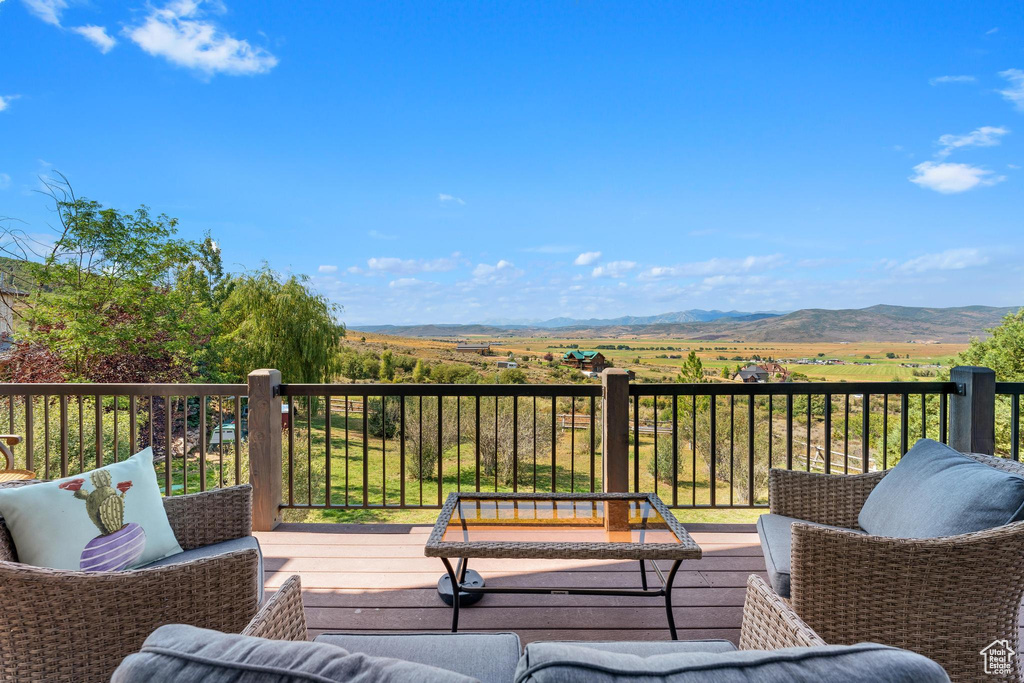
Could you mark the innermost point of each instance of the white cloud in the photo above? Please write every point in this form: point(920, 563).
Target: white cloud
point(47, 10)
point(405, 282)
point(485, 269)
point(381, 236)
point(398, 266)
point(951, 79)
point(992, 31)
point(587, 257)
point(5, 181)
point(614, 269)
point(716, 266)
point(178, 33)
point(5, 101)
point(986, 136)
point(97, 35)
point(949, 178)
point(449, 198)
point(1015, 92)
point(327, 269)
point(951, 259)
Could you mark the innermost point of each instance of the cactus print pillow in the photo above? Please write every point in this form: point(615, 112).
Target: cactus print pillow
point(108, 519)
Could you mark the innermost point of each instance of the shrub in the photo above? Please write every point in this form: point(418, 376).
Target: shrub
point(382, 420)
point(663, 457)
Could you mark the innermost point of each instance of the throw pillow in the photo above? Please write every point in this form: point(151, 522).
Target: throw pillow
point(109, 519)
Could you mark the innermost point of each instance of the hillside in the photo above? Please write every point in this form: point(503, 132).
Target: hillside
point(883, 323)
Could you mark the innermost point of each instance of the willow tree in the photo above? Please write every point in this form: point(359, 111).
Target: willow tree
point(272, 321)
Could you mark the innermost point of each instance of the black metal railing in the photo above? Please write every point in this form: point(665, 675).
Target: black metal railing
point(409, 445)
point(197, 431)
point(712, 445)
point(1007, 418)
point(347, 446)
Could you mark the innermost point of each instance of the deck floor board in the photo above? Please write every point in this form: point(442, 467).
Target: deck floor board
point(375, 578)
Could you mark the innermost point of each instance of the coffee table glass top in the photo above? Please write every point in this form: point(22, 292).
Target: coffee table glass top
point(554, 520)
point(558, 525)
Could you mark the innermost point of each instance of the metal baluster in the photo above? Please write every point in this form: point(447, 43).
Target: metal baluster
point(828, 433)
point(750, 449)
point(328, 407)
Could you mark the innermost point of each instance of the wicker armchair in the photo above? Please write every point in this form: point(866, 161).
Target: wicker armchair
point(58, 625)
point(946, 598)
point(282, 617)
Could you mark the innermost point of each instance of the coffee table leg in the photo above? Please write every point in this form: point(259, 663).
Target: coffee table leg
point(455, 594)
point(668, 599)
point(643, 575)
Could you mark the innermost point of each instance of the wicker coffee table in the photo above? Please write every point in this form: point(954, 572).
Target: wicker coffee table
point(557, 526)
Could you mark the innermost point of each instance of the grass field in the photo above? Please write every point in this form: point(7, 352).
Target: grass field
point(648, 356)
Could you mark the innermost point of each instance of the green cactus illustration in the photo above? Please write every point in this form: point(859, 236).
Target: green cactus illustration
point(104, 504)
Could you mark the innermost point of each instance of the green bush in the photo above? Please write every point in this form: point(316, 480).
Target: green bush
point(664, 460)
point(382, 420)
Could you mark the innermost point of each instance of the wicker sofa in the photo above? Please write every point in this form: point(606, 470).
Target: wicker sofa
point(774, 645)
point(947, 597)
point(58, 625)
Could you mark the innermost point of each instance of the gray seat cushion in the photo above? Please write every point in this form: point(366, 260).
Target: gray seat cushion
point(936, 491)
point(489, 657)
point(864, 663)
point(186, 654)
point(776, 543)
point(244, 543)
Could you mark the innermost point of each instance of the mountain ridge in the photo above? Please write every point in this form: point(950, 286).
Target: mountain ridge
point(881, 322)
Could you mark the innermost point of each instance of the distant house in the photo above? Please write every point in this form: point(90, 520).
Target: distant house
point(591, 361)
point(465, 347)
point(752, 374)
point(775, 370)
point(503, 364)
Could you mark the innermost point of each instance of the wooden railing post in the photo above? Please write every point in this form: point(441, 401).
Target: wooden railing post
point(615, 445)
point(972, 410)
point(615, 429)
point(265, 448)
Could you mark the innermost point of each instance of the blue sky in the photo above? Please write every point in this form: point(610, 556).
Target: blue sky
point(470, 161)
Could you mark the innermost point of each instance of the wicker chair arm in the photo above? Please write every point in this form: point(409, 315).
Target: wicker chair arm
point(200, 519)
point(769, 622)
point(906, 592)
point(66, 626)
point(823, 498)
point(282, 617)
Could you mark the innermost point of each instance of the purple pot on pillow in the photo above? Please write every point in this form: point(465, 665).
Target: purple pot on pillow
point(113, 552)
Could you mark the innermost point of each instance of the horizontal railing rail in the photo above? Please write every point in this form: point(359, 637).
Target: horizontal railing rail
point(342, 390)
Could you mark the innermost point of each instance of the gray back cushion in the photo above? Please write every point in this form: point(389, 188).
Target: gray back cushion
point(864, 663)
point(936, 491)
point(186, 654)
point(490, 657)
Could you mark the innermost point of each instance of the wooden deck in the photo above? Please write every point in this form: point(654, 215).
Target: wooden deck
point(374, 577)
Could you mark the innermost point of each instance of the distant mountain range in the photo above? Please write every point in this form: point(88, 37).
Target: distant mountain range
point(695, 315)
point(882, 323)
